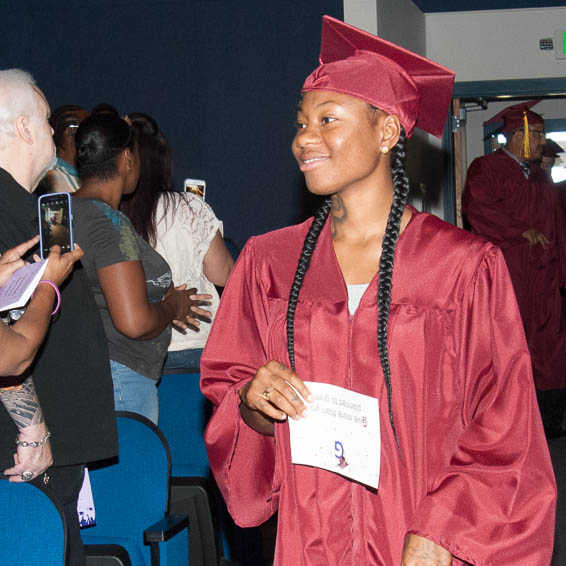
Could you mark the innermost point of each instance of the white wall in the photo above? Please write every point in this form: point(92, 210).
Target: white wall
point(495, 45)
point(399, 21)
point(479, 46)
point(361, 14)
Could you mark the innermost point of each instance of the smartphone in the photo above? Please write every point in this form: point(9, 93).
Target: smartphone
point(195, 186)
point(55, 222)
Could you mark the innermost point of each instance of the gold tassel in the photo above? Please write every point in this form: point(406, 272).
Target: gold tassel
point(526, 137)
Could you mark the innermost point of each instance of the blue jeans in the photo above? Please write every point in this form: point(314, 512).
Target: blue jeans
point(134, 392)
point(183, 359)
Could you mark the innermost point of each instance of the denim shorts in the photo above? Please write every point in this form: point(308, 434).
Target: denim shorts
point(183, 360)
point(134, 392)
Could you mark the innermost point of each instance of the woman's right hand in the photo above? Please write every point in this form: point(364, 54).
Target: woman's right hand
point(273, 393)
point(60, 266)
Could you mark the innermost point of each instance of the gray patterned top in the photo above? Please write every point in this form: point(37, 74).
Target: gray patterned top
point(107, 237)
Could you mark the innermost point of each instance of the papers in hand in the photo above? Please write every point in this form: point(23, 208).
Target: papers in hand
point(340, 433)
point(15, 293)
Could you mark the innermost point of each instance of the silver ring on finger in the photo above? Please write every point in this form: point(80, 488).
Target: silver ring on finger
point(27, 476)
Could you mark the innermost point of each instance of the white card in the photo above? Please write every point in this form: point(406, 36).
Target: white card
point(340, 433)
point(85, 504)
point(15, 293)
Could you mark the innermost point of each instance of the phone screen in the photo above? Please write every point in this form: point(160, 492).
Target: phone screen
point(55, 226)
point(196, 186)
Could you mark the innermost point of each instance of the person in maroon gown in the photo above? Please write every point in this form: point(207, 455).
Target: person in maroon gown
point(505, 202)
point(374, 297)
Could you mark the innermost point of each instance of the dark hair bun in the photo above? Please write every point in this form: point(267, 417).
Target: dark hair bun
point(143, 124)
point(101, 136)
point(99, 140)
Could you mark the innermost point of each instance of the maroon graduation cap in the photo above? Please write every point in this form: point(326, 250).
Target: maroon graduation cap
point(516, 117)
point(383, 74)
point(513, 117)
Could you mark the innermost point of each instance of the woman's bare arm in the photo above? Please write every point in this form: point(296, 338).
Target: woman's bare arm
point(19, 343)
point(124, 287)
point(23, 407)
point(218, 261)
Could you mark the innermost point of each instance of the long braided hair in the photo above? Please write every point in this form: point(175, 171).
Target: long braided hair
point(400, 196)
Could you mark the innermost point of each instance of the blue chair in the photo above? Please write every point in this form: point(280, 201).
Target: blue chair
point(183, 413)
point(215, 539)
point(32, 526)
point(131, 499)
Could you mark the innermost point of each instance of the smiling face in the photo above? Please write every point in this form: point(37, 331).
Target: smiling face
point(338, 142)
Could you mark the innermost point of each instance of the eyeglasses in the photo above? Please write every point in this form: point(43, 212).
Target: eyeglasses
point(538, 133)
point(73, 129)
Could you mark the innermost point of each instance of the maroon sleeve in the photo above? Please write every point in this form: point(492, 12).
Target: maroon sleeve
point(496, 205)
point(242, 460)
point(495, 500)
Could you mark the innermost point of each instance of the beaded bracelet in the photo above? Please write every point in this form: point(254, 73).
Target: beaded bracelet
point(34, 443)
point(56, 289)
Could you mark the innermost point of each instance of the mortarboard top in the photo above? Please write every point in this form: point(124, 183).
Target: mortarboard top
point(383, 74)
point(551, 149)
point(513, 117)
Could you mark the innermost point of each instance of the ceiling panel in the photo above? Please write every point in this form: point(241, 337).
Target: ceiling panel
point(430, 6)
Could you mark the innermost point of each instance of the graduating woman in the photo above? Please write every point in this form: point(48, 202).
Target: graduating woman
point(378, 299)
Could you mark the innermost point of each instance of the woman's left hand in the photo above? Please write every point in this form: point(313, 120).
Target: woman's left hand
point(11, 261)
point(195, 300)
point(420, 551)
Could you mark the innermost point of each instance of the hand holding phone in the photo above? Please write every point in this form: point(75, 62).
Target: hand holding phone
point(60, 265)
point(55, 223)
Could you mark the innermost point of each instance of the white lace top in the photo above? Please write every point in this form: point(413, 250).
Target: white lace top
point(184, 234)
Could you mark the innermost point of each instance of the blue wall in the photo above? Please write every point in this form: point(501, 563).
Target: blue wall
point(221, 77)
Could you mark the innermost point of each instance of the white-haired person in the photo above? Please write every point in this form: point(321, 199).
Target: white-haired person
point(68, 385)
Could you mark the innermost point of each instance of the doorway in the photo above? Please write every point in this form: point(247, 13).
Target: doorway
point(489, 97)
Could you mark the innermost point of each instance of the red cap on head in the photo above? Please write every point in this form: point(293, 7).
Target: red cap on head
point(513, 117)
point(383, 74)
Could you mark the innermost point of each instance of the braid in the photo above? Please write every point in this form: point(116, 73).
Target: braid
point(304, 262)
point(400, 195)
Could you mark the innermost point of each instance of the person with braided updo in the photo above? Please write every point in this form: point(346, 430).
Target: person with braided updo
point(130, 281)
point(381, 300)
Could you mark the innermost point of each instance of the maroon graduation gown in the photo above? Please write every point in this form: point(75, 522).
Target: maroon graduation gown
point(475, 474)
point(500, 204)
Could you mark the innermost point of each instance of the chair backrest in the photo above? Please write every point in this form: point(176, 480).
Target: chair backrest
point(132, 494)
point(183, 413)
point(32, 526)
